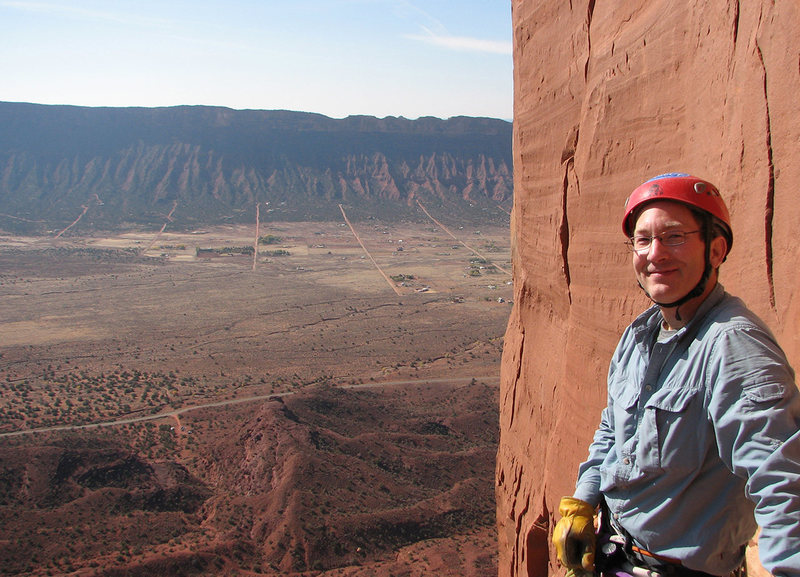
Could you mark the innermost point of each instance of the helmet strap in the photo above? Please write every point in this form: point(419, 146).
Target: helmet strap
point(699, 288)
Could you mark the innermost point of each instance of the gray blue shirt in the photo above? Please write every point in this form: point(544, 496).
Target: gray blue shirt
point(700, 440)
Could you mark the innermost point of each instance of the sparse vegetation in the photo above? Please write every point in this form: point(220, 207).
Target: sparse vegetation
point(269, 239)
point(402, 277)
point(227, 250)
point(58, 397)
point(323, 478)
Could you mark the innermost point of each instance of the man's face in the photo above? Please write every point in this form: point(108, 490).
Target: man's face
point(668, 273)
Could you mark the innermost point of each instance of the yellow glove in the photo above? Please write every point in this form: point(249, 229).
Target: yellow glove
point(574, 535)
point(579, 573)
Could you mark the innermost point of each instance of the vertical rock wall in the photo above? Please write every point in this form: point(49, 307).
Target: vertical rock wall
point(608, 94)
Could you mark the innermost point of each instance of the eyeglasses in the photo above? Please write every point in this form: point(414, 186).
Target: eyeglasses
point(672, 238)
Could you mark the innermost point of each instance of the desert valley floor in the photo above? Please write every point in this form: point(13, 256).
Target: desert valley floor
point(174, 404)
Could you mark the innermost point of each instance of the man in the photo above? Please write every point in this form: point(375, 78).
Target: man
point(700, 439)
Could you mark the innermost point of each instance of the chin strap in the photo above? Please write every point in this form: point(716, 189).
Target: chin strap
point(695, 292)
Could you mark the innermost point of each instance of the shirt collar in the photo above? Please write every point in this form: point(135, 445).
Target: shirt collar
point(646, 326)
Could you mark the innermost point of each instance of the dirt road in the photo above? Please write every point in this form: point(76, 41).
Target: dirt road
point(493, 379)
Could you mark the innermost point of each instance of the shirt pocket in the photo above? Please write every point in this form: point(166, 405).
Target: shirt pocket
point(674, 431)
point(764, 391)
point(625, 397)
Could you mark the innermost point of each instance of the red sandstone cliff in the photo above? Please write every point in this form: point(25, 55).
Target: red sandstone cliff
point(607, 96)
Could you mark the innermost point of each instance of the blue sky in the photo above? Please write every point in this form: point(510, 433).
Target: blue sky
point(335, 57)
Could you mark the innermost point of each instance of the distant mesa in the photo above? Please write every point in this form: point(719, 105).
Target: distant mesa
point(95, 168)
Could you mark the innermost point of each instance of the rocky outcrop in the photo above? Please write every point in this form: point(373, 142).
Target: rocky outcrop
point(134, 165)
point(606, 96)
point(334, 477)
point(373, 480)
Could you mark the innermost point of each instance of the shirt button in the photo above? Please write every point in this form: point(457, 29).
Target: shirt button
point(626, 461)
point(648, 388)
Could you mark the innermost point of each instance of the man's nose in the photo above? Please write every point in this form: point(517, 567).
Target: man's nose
point(657, 248)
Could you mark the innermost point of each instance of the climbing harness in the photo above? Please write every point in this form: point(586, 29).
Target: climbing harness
point(617, 555)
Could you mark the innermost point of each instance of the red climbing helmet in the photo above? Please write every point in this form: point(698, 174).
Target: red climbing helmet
point(679, 187)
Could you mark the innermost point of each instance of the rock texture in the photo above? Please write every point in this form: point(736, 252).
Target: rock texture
point(606, 96)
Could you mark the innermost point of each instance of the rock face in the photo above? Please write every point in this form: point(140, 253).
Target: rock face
point(607, 96)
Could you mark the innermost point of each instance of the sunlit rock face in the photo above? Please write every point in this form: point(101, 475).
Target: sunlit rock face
point(607, 96)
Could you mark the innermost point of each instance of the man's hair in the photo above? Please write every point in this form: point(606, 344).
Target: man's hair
point(711, 228)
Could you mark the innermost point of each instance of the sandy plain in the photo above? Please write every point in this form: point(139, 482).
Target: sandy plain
point(240, 325)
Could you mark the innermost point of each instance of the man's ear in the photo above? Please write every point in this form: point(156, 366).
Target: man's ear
point(718, 251)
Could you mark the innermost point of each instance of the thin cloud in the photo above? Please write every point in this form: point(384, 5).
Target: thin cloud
point(414, 11)
point(79, 13)
point(463, 43)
